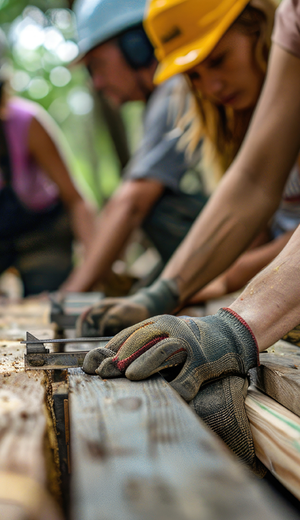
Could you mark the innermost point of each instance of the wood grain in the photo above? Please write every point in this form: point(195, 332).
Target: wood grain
point(138, 452)
point(276, 434)
point(34, 309)
point(279, 375)
point(27, 439)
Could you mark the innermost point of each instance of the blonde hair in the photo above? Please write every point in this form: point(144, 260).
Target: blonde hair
point(223, 128)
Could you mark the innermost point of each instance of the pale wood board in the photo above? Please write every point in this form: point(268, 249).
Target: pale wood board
point(28, 314)
point(27, 439)
point(12, 351)
point(279, 375)
point(276, 435)
point(138, 452)
point(23, 424)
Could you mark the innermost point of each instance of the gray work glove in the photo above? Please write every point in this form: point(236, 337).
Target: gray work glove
point(209, 348)
point(112, 315)
point(221, 405)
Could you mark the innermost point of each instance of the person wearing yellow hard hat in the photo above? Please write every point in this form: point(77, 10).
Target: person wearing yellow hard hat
point(193, 38)
point(184, 32)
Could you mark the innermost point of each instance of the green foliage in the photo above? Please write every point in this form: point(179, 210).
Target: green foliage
point(41, 40)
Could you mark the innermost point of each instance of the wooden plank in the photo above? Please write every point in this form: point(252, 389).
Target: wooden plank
point(36, 310)
point(279, 375)
point(22, 498)
point(27, 440)
point(138, 452)
point(281, 349)
point(17, 332)
point(60, 391)
point(293, 336)
point(276, 435)
point(12, 354)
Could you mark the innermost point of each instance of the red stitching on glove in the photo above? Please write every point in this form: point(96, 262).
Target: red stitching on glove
point(124, 363)
point(243, 322)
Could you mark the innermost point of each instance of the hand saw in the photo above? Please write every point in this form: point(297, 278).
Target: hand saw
point(38, 357)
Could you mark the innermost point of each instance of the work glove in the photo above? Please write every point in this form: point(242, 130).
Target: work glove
point(221, 405)
point(209, 348)
point(112, 315)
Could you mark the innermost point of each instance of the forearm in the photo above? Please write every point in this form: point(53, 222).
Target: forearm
point(82, 222)
point(44, 145)
point(270, 304)
point(122, 214)
point(250, 191)
point(113, 229)
point(232, 218)
point(253, 261)
point(241, 272)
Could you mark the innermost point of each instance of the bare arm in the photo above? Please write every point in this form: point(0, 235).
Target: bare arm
point(45, 149)
point(243, 269)
point(122, 214)
point(251, 189)
point(270, 303)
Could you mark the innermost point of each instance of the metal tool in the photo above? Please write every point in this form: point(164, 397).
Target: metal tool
point(65, 311)
point(38, 357)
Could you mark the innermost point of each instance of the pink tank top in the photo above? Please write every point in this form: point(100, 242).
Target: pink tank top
point(30, 183)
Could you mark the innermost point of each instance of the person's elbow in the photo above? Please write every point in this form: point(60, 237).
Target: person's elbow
point(128, 207)
point(134, 201)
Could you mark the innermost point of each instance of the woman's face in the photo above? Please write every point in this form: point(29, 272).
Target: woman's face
point(229, 76)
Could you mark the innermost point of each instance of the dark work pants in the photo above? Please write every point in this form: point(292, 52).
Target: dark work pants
point(43, 256)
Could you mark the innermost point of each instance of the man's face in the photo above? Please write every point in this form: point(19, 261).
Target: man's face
point(112, 75)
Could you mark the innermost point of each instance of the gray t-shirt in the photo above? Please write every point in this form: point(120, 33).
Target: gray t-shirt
point(159, 157)
point(287, 26)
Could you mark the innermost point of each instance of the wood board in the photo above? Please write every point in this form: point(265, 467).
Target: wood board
point(27, 439)
point(279, 375)
point(28, 314)
point(276, 435)
point(138, 452)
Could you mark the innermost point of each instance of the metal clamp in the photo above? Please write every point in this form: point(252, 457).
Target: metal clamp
point(40, 358)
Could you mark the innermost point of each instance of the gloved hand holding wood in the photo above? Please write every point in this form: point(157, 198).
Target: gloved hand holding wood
point(221, 405)
point(209, 348)
point(115, 314)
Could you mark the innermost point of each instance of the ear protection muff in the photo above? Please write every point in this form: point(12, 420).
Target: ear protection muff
point(136, 47)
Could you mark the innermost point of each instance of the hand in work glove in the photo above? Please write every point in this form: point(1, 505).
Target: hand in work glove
point(112, 315)
point(208, 347)
point(221, 405)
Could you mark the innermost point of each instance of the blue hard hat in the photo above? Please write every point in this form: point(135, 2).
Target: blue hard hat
point(100, 20)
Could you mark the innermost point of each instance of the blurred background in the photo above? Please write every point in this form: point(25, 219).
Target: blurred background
point(41, 40)
point(40, 37)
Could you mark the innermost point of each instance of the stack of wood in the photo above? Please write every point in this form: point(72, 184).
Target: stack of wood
point(133, 450)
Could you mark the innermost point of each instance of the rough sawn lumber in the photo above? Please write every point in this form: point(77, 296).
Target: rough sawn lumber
point(27, 440)
point(138, 452)
point(276, 435)
point(279, 375)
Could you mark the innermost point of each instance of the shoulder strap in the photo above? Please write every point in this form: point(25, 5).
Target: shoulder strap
point(5, 164)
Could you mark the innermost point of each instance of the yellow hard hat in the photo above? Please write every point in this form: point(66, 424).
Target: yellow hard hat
point(184, 32)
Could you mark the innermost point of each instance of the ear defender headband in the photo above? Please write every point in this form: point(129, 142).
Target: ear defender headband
point(136, 47)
